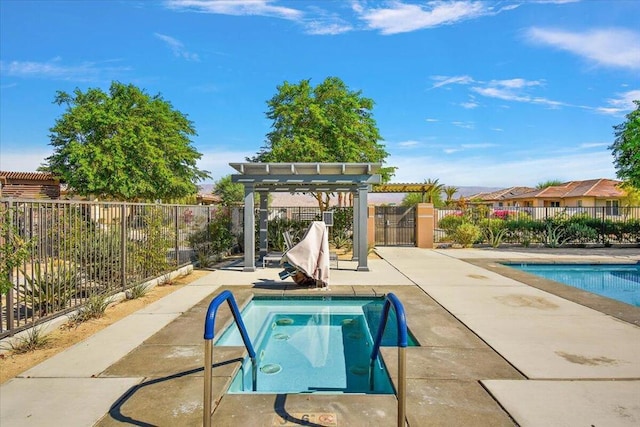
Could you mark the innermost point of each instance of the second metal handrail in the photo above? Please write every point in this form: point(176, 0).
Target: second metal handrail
point(208, 348)
point(401, 320)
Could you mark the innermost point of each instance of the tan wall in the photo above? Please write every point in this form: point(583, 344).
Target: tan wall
point(371, 225)
point(425, 217)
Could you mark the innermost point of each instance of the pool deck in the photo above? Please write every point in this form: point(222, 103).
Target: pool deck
point(498, 348)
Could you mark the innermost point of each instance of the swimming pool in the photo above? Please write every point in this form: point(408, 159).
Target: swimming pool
point(617, 281)
point(312, 345)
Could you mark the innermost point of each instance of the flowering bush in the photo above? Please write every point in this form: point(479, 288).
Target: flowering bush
point(503, 214)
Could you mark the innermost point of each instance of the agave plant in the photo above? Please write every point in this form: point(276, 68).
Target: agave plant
point(50, 286)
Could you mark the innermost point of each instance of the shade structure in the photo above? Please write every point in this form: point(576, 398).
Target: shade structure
point(263, 178)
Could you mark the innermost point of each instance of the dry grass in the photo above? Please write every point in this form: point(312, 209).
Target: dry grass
point(12, 364)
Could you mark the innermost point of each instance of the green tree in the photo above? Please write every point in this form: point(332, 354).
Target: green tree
point(450, 191)
point(626, 148)
point(432, 194)
point(231, 193)
point(123, 145)
point(548, 183)
point(326, 123)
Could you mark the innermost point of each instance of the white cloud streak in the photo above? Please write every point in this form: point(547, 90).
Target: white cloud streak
point(621, 104)
point(400, 17)
point(236, 7)
point(612, 47)
point(56, 70)
point(177, 47)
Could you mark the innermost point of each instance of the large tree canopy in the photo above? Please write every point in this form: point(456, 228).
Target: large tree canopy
point(626, 148)
point(326, 123)
point(123, 145)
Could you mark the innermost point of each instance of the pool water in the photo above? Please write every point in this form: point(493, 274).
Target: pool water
point(312, 346)
point(617, 281)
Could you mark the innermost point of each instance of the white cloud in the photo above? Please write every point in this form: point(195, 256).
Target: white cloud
point(327, 28)
point(613, 47)
point(624, 102)
point(430, 120)
point(23, 160)
point(236, 7)
point(56, 70)
point(451, 150)
point(448, 80)
point(400, 17)
point(469, 105)
point(464, 125)
point(217, 162)
point(514, 90)
point(492, 172)
point(177, 47)
point(408, 144)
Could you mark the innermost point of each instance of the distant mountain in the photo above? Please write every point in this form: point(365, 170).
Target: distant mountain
point(287, 199)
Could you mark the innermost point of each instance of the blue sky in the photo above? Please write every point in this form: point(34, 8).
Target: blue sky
point(489, 93)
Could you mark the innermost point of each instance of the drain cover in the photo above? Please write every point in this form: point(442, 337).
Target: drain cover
point(270, 368)
point(359, 370)
point(284, 321)
point(281, 337)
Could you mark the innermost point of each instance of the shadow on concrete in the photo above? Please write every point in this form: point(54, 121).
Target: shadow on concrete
point(115, 412)
point(279, 408)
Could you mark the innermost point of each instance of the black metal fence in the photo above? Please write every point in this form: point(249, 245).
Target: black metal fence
point(57, 254)
point(548, 226)
point(295, 220)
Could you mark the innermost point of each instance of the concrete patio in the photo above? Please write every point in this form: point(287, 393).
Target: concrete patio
point(493, 351)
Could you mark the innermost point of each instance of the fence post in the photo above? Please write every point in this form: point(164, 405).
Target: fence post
point(602, 226)
point(177, 242)
point(10, 319)
point(123, 246)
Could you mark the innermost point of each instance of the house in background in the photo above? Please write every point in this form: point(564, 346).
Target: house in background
point(29, 185)
point(499, 198)
point(589, 193)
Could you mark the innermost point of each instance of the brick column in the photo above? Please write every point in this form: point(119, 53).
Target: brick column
point(425, 222)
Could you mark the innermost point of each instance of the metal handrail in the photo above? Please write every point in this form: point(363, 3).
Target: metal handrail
point(401, 320)
point(208, 348)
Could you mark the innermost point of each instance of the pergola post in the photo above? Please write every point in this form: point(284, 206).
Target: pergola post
point(363, 248)
point(264, 231)
point(249, 227)
point(356, 227)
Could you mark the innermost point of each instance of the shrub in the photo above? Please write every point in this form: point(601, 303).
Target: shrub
point(14, 250)
point(50, 286)
point(32, 340)
point(494, 231)
point(158, 236)
point(341, 240)
point(580, 233)
point(450, 223)
point(467, 234)
point(215, 240)
point(94, 308)
point(137, 291)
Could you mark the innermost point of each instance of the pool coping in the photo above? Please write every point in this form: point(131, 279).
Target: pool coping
point(609, 306)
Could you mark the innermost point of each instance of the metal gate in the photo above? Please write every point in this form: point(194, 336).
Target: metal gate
point(395, 225)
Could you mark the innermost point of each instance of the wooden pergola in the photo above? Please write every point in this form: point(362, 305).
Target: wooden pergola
point(264, 178)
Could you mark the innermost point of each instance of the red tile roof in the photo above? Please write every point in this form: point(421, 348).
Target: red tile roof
point(601, 188)
point(28, 176)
